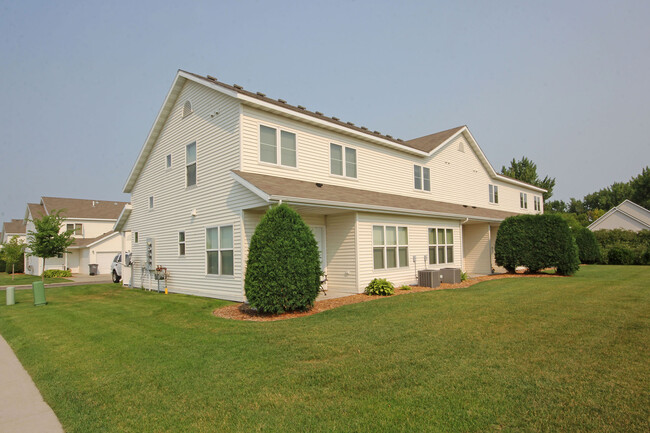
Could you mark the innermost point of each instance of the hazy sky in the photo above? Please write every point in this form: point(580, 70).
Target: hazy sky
point(564, 83)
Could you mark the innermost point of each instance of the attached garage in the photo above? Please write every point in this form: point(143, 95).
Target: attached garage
point(104, 260)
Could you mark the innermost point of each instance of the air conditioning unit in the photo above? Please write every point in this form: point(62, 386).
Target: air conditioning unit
point(450, 275)
point(429, 278)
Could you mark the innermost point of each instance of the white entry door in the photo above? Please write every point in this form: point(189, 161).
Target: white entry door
point(319, 234)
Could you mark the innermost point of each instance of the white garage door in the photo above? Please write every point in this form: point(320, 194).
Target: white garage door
point(104, 261)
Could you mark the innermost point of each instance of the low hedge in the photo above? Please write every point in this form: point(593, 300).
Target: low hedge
point(620, 246)
point(536, 242)
point(57, 273)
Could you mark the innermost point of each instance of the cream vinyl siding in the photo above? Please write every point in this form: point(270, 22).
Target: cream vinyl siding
point(217, 198)
point(418, 236)
point(90, 228)
point(476, 246)
point(341, 253)
point(456, 177)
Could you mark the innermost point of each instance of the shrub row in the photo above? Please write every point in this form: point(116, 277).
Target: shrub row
point(536, 242)
point(57, 273)
point(624, 247)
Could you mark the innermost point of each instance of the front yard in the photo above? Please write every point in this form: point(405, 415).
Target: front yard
point(22, 279)
point(538, 354)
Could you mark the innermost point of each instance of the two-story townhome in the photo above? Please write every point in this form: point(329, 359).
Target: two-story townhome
point(95, 241)
point(15, 227)
point(218, 156)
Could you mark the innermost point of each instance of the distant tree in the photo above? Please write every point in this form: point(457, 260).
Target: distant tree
point(526, 171)
point(575, 206)
point(555, 206)
point(641, 188)
point(608, 197)
point(12, 253)
point(48, 240)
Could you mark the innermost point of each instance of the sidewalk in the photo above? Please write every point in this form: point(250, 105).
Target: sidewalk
point(22, 408)
point(77, 280)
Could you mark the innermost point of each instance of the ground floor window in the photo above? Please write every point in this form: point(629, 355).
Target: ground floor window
point(181, 243)
point(441, 246)
point(219, 250)
point(390, 247)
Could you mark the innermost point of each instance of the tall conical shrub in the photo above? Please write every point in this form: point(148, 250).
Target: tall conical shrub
point(283, 269)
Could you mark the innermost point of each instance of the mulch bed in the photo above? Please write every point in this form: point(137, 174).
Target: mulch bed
point(244, 311)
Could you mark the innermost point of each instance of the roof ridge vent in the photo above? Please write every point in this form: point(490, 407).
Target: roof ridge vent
point(388, 136)
point(350, 123)
point(211, 78)
point(364, 128)
point(301, 107)
point(335, 118)
point(318, 112)
point(261, 94)
point(282, 101)
point(237, 86)
point(400, 140)
point(377, 132)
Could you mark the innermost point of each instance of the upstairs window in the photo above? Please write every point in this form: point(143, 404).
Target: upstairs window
point(269, 150)
point(390, 247)
point(190, 164)
point(168, 161)
point(135, 237)
point(343, 161)
point(421, 178)
point(77, 229)
point(538, 203)
point(523, 200)
point(494, 194)
point(441, 246)
point(150, 202)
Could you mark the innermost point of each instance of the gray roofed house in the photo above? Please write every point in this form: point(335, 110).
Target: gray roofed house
point(627, 216)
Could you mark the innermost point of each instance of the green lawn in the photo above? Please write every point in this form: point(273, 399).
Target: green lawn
point(531, 355)
point(21, 279)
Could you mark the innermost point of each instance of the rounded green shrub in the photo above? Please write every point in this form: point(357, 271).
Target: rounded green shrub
point(381, 287)
point(619, 255)
point(588, 248)
point(283, 269)
point(536, 242)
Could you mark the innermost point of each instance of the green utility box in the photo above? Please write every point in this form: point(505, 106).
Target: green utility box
point(39, 293)
point(11, 296)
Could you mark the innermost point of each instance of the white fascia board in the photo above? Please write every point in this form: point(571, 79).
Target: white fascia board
point(326, 124)
point(373, 208)
point(153, 134)
point(519, 183)
point(258, 192)
point(641, 208)
point(602, 218)
point(124, 216)
point(102, 239)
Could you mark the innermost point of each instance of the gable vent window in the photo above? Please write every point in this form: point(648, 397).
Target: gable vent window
point(461, 147)
point(187, 109)
point(494, 194)
point(421, 178)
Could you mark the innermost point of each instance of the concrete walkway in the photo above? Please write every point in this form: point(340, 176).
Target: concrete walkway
point(75, 280)
point(22, 408)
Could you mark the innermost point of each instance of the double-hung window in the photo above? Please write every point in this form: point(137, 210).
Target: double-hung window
point(181, 243)
point(190, 164)
point(421, 178)
point(494, 194)
point(343, 161)
point(269, 149)
point(390, 247)
point(441, 246)
point(219, 250)
point(523, 200)
point(537, 202)
point(75, 228)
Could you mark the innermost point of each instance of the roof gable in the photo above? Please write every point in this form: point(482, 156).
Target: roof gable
point(84, 208)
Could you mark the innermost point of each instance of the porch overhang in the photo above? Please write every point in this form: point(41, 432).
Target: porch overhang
point(274, 189)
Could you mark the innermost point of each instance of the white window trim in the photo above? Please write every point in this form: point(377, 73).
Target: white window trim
point(422, 168)
point(183, 242)
point(196, 164)
point(345, 168)
point(205, 250)
point(385, 246)
point(495, 189)
point(523, 200)
point(278, 147)
point(438, 244)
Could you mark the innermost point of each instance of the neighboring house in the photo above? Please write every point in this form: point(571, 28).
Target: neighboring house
point(15, 227)
point(218, 156)
point(95, 241)
point(626, 216)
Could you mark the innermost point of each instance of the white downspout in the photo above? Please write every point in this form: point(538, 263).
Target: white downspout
point(462, 252)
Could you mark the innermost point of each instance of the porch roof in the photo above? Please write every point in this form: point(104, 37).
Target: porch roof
point(272, 188)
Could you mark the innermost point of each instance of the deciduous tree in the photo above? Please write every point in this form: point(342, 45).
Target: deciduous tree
point(48, 240)
point(526, 171)
point(12, 251)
